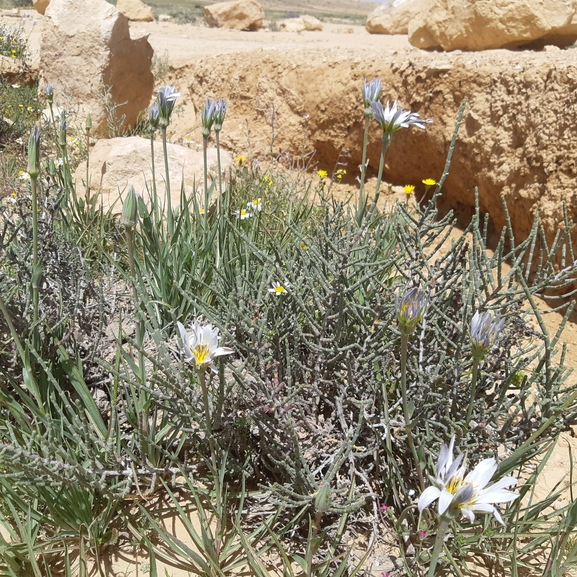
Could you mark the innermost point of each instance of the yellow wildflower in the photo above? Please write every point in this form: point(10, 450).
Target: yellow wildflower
point(322, 173)
point(429, 182)
point(409, 189)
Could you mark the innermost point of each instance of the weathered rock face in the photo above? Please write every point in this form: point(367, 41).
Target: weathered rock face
point(135, 10)
point(301, 24)
point(92, 63)
point(393, 17)
point(517, 138)
point(485, 24)
point(237, 15)
point(41, 5)
point(118, 163)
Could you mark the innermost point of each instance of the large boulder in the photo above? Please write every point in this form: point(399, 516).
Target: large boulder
point(486, 24)
point(118, 163)
point(135, 10)
point(93, 65)
point(301, 24)
point(236, 15)
point(393, 17)
point(41, 5)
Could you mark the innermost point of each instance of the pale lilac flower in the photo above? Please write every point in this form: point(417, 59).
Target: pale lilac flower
point(201, 345)
point(467, 494)
point(485, 330)
point(371, 92)
point(393, 118)
point(410, 309)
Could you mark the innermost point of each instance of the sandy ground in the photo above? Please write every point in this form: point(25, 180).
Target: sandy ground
point(183, 45)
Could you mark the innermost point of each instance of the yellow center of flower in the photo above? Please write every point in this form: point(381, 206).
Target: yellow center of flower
point(454, 484)
point(201, 354)
point(279, 289)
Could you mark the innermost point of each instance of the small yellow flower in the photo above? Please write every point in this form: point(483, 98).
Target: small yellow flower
point(277, 289)
point(29, 108)
point(21, 106)
point(241, 159)
point(409, 189)
point(340, 173)
point(23, 175)
point(429, 182)
point(322, 173)
point(187, 141)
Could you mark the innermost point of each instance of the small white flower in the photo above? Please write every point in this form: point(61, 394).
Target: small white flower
point(466, 494)
point(201, 345)
point(278, 289)
point(485, 330)
point(58, 162)
point(243, 214)
point(15, 85)
point(255, 205)
point(23, 175)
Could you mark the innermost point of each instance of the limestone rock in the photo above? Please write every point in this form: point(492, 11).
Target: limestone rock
point(118, 163)
point(41, 5)
point(135, 10)
point(486, 24)
point(93, 65)
point(393, 17)
point(301, 24)
point(236, 15)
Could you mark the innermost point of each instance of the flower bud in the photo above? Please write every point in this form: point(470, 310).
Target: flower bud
point(485, 330)
point(88, 124)
point(219, 114)
point(153, 116)
point(165, 99)
point(129, 216)
point(34, 153)
point(323, 498)
point(411, 308)
point(49, 93)
point(371, 93)
point(207, 117)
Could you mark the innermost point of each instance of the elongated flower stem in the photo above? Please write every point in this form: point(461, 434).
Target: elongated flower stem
point(35, 268)
point(170, 216)
point(154, 193)
point(218, 200)
point(439, 539)
point(404, 349)
point(475, 372)
point(362, 196)
point(386, 140)
point(205, 162)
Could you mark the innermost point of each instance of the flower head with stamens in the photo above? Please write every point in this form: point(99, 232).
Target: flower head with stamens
point(485, 330)
point(392, 118)
point(201, 345)
point(466, 494)
point(429, 181)
point(243, 214)
point(409, 189)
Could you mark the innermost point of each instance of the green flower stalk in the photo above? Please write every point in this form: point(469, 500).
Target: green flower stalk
point(411, 308)
point(485, 330)
point(165, 100)
point(392, 119)
point(34, 171)
point(88, 128)
point(219, 116)
point(49, 91)
point(371, 92)
point(207, 119)
point(153, 120)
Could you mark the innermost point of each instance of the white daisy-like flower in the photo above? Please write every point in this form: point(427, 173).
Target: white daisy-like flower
point(278, 289)
point(467, 494)
point(255, 205)
point(392, 118)
point(58, 162)
point(23, 175)
point(243, 214)
point(201, 345)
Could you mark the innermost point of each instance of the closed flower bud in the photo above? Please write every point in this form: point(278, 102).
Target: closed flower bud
point(129, 216)
point(411, 308)
point(49, 93)
point(485, 330)
point(34, 153)
point(207, 117)
point(371, 92)
point(165, 99)
point(219, 114)
point(323, 498)
point(88, 124)
point(153, 116)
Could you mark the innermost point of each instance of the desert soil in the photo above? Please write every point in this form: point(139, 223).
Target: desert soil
point(182, 47)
